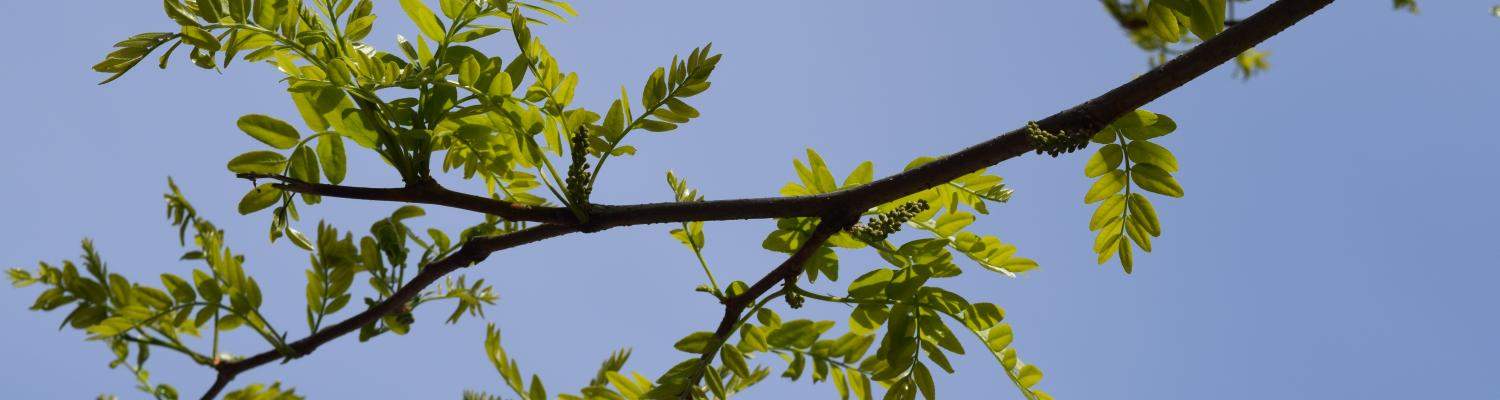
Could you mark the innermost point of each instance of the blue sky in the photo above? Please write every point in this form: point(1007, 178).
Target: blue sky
point(1335, 241)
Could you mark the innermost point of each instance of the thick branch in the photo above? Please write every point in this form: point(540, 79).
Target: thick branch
point(424, 192)
point(472, 252)
point(1083, 119)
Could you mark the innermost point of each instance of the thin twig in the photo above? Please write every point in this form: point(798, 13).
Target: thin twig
point(472, 252)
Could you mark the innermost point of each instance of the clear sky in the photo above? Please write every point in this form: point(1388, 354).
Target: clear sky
point(1336, 241)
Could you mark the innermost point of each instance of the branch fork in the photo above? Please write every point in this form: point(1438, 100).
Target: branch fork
point(836, 210)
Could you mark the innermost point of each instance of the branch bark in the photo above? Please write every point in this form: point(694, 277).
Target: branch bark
point(1078, 121)
point(423, 192)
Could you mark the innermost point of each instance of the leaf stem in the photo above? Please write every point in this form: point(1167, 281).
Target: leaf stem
point(698, 252)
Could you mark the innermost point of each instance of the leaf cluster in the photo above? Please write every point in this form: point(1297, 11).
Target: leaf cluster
point(1127, 161)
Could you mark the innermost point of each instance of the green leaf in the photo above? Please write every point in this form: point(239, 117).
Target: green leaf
point(259, 198)
point(654, 89)
point(1106, 186)
point(303, 165)
point(182, 291)
point(680, 108)
point(359, 28)
point(178, 13)
point(1029, 376)
point(1110, 208)
point(1205, 17)
point(999, 337)
point(258, 162)
point(982, 316)
point(537, 391)
point(198, 37)
point(331, 156)
point(859, 384)
point(1163, 22)
point(905, 284)
point(469, 70)
point(111, 326)
point(871, 284)
point(269, 130)
point(625, 385)
point(1155, 180)
point(298, 238)
point(1137, 119)
point(696, 343)
point(866, 318)
point(426, 21)
point(1106, 159)
point(952, 223)
point(1208, 20)
point(656, 126)
point(1142, 212)
point(1161, 126)
point(862, 174)
point(565, 90)
point(923, 379)
point(500, 86)
point(1019, 264)
point(1144, 152)
point(1138, 234)
point(735, 360)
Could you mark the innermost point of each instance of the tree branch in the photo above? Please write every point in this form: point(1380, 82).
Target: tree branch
point(836, 208)
point(735, 306)
point(472, 252)
point(1081, 120)
point(1084, 119)
point(423, 192)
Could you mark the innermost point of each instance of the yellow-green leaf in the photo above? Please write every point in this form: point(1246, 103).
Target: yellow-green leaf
point(269, 130)
point(1106, 186)
point(258, 162)
point(999, 337)
point(198, 37)
point(862, 174)
point(331, 156)
point(426, 21)
point(1029, 376)
point(695, 343)
point(734, 360)
point(1144, 152)
point(1155, 180)
point(1142, 211)
point(259, 198)
point(1109, 209)
point(1106, 159)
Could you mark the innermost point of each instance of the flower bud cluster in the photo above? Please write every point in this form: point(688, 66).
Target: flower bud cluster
point(579, 182)
point(884, 225)
point(1054, 143)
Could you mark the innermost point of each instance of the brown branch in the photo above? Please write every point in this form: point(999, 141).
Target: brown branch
point(472, 252)
point(1083, 119)
point(1079, 121)
point(735, 306)
point(424, 192)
